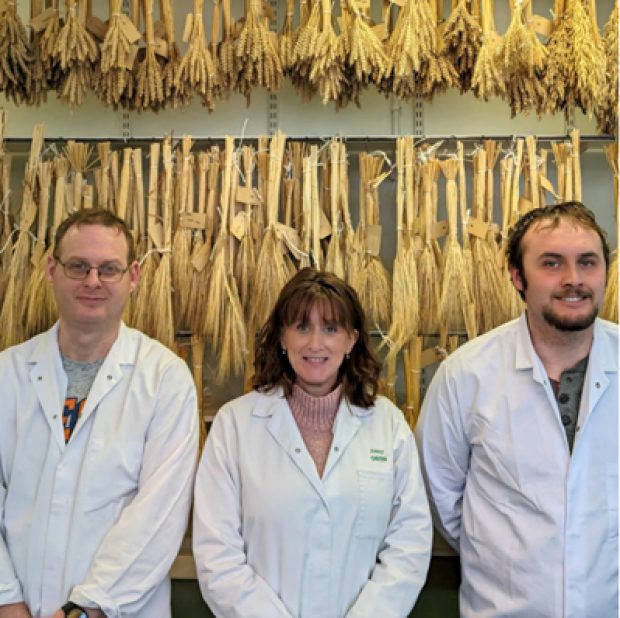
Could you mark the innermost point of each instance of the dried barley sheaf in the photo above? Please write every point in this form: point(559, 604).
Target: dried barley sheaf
point(488, 81)
point(174, 97)
point(113, 74)
point(228, 67)
point(304, 46)
point(285, 40)
point(607, 114)
point(575, 71)
point(197, 71)
point(257, 55)
point(16, 57)
point(463, 39)
point(42, 81)
point(149, 90)
point(78, 53)
point(47, 43)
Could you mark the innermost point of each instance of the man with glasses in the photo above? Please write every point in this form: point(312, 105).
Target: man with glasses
point(98, 444)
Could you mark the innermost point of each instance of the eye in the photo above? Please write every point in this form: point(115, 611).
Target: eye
point(331, 329)
point(76, 266)
point(110, 269)
point(550, 263)
point(587, 263)
point(302, 327)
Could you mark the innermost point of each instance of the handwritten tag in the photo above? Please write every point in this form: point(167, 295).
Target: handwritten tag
point(161, 47)
point(159, 29)
point(524, 206)
point(439, 229)
point(290, 237)
point(40, 22)
point(156, 232)
point(201, 259)
point(325, 228)
point(373, 239)
point(193, 220)
point(268, 10)
point(477, 228)
point(239, 225)
point(247, 195)
point(129, 30)
point(130, 58)
point(429, 357)
point(238, 27)
point(381, 31)
point(542, 25)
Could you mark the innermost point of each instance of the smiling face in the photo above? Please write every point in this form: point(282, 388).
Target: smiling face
point(316, 348)
point(91, 303)
point(564, 275)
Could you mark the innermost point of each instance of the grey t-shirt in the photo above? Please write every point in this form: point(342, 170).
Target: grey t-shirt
point(80, 378)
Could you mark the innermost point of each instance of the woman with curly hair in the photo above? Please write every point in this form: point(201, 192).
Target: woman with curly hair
point(309, 500)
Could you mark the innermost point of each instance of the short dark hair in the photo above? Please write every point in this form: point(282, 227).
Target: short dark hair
point(552, 215)
point(359, 374)
point(95, 216)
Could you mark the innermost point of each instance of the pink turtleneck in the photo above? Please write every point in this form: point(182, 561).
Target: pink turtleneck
point(315, 418)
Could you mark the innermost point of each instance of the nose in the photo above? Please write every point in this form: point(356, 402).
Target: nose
point(316, 339)
point(92, 279)
point(571, 275)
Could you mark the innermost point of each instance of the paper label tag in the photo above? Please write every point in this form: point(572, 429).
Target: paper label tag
point(37, 254)
point(129, 30)
point(4, 5)
point(373, 239)
point(189, 23)
point(477, 228)
point(161, 47)
point(39, 22)
point(247, 195)
point(201, 259)
point(439, 229)
point(524, 206)
point(130, 58)
point(542, 25)
point(494, 228)
point(268, 11)
point(381, 31)
point(547, 185)
point(156, 232)
point(239, 225)
point(96, 27)
point(325, 227)
point(290, 237)
point(159, 29)
point(237, 28)
point(193, 220)
point(429, 357)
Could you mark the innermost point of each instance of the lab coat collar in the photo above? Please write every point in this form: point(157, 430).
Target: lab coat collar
point(50, 380)
point(526, 357)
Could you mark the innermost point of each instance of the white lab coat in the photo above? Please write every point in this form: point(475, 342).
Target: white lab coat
point(537, 528)
point(273, 540)
point(100, 519)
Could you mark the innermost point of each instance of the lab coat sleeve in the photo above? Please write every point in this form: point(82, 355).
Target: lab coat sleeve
point(444, 455)
point(138, 551)
point(10, 588)
point(404, 555)
point(230, 586)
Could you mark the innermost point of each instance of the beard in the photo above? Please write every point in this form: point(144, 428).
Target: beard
point(566, 324)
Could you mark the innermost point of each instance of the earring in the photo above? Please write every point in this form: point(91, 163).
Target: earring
point(283, 351)
point(347, 356)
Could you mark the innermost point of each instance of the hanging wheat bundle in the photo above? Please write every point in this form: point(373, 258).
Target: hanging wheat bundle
point(575, 71)
point(40, 313)
point(334, 261)
point(77, 53)
point(404, 324)
point(142, 314)
point(271, 271)
point(488, 81)
point(197, 71)
point(607, 111)
point(228, 67)
point(112, 73)
point(363, 52)
point(17, 57)
point(162, 318)
point(78, 155)
point(462, 39)
point(174, 97)
point(13, 309)
point(455, 293)
point(348, 233)
point(609, 311)
point(47, 44)
point(372, 281)
point(40, 84)
point(306, 214)
point(257, 55)
point(303, 43)
point(285, 40)
point(149, 89)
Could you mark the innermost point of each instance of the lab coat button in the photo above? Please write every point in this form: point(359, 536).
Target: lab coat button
point(336, 449)
point(578, 429)
point(565, 420)
point(39, 378)
point(563, 398)
point(109, 377)
point(598, 385)
point(55, 416)
point(298, 450)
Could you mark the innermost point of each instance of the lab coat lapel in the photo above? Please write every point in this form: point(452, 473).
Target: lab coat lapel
point(49, 381)
point(282, 426)
point(346, 425)
point(122, 352)
point(603, 359)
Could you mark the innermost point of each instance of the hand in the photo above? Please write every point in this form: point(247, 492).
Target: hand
point(92, 613)
point(15, 610)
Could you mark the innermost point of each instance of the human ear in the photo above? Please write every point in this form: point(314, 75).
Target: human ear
point(353, 337)
point(515, 276)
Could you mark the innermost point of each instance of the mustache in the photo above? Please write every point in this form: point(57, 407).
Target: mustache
point(574, 293)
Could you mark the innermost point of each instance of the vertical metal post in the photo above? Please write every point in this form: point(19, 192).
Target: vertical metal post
point(126, 131)
point(418, 116)
point(273, 98)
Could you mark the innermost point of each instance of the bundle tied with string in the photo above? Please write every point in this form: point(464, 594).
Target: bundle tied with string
point(348, 233)
point(161, 294)
point(16, 57)
point(112, 73)
point(47, 44)
point(462, 40)
point(303, 41)
point(334, 262)
point(285, 40)
point(575, 71)
point(405, 316)
point(609, 310)
point(148, 264)
point(306, 213)
point(175, 97)
point(228, 67)
point(257, 55)
point(271, 272)
point(372, 281)
point(78, 155)
point(196, 73)
point(40, 315)
point(149, 89)
point(40, 84)
point(77, 54)
point(428, 274)
point(12, 330)
point(607, 111)
point(488, 81)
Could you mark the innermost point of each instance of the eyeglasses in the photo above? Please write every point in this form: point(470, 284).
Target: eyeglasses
point(79, 270)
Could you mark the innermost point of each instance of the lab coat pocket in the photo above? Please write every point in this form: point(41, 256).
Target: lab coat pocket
point(375, 503)
point(113, 469)
point(612, 500)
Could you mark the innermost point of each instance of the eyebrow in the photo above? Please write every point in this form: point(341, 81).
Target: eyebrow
point(587, 254)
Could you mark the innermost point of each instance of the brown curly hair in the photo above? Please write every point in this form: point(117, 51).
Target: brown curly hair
point(575, 212)
point(359, 374)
